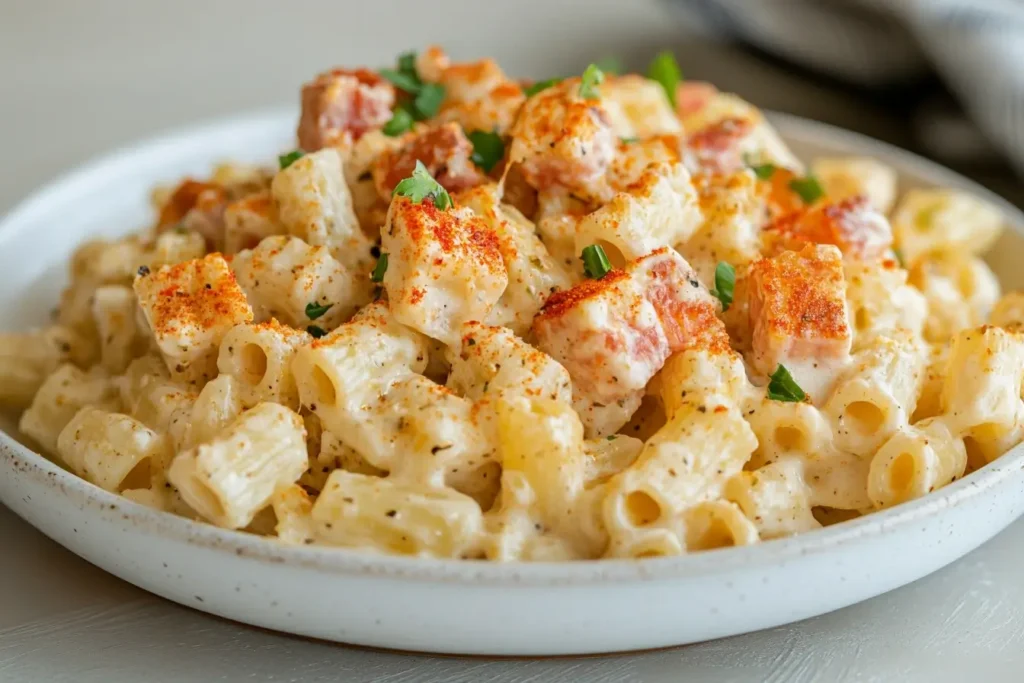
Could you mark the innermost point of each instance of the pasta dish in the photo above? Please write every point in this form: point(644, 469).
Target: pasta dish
point(475, 317)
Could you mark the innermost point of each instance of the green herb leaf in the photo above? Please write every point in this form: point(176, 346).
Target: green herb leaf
point(725, 284)
point(382, 267)
point(286, 160)
point(181, 229)
point(422, 185)
point(763, 171)
point(401, 121)
point(612, 437)
point(592, 77)
point(428, 100)
point(403, 80)
point(899, 258)
point(610, 64)
point(783, 387)
point(532, 90)
point(315, 310)
point(316, 331)
point(665, 70)
point(629, 141)
point(488, 149)
point(407, 63)
point(808, 188)
point(595, 262)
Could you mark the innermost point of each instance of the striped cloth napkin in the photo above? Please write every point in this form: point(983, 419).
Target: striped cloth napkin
point(976, 47)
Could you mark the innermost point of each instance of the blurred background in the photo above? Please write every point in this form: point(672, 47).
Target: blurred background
point(79, 78)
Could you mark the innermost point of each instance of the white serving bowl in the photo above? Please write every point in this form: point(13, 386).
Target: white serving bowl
point(452, 606)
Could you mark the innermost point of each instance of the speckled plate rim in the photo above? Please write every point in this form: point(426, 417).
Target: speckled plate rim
point(77, 183)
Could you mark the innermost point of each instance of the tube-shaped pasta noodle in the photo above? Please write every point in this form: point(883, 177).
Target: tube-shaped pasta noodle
point(63, 393)
point(515, 531)
point(217, 406)
point(983, 382)
point(881, 301)
point(915, 461)
point(775, 498)
point(934, 220)
point(113, 311)
point(844, 177)
point(111, 450)
point(702, 377)
point(543, 439)
point(361, 511)
point(687, 462)
point(28, 358)
point(259, 356)
point(718, 524)
point(293, 509)
point(346, 371)
point(879, 393)
point(232, 477)
point(787, 429)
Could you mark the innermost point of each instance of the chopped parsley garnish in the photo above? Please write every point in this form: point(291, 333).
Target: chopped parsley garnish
point(725, 284)
point(899, 258)
point(763, 171)
point(612, 437)
point(408, 81)
point(407, 62)
point(629, 141)
point(783, 387)
point(382, 267)
point(316, 331)
point(665, 70)
point(595, 262)
point(286, 160)
point(426, 97)
point(592, 77)
point(315, 310)
point(808, 188)
point(422, 185)
point(401, 121)
point(532, 90)
point(488, 149)
point(610, 64)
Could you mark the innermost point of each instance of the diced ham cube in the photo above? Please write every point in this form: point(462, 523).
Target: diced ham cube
point(799, 316)
point(614, 333)
point(719, 147)
point(444, 149)
point(692, 96)
point(444, 268)
point(563, 140)
point(859, 230)
point(338, 106)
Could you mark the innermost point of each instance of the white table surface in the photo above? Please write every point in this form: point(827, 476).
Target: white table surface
point(78, 78)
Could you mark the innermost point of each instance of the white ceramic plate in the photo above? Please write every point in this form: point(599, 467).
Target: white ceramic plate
point(448, 606)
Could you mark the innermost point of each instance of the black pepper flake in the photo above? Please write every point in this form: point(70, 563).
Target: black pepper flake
point(694, 283)
point(391, 513)
point(437, 449)
point(143, 271)
point(375, 251)
point(702, 409)
point(209, 286)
